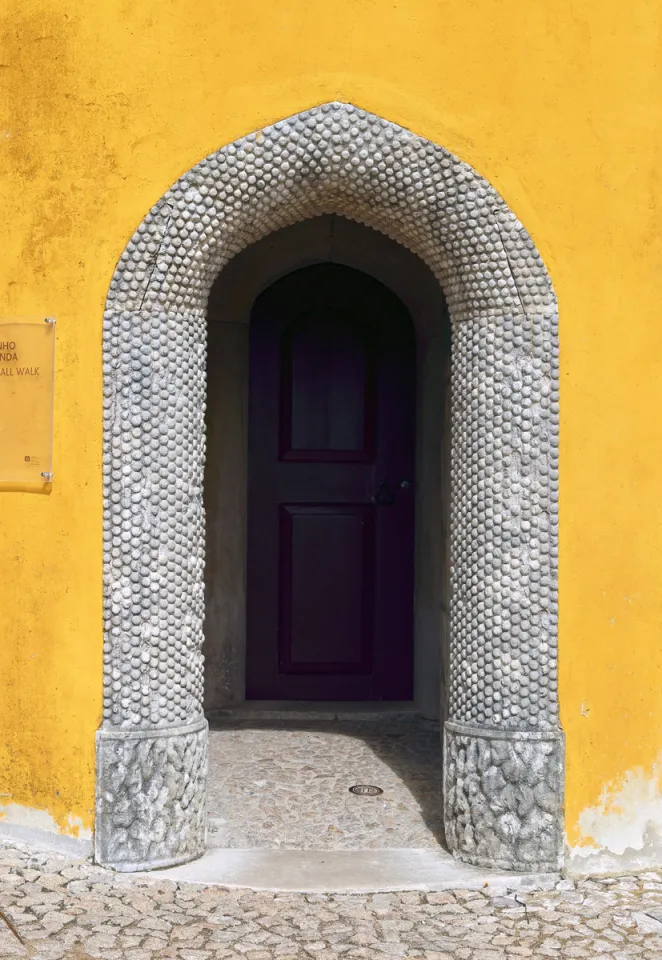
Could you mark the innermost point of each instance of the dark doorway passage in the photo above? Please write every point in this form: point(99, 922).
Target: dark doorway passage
point(326, 240)
point(331, 449)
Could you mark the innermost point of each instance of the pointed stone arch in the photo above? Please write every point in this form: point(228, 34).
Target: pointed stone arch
point(503, 745)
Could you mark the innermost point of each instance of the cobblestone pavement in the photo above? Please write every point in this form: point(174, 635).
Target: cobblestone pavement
point(285, 783)
point(55, 908)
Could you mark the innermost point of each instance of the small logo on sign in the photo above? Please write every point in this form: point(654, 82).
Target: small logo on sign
point(365, 790)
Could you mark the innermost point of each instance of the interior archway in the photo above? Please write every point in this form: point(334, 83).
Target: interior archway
point(326, 239)
point(504, 754)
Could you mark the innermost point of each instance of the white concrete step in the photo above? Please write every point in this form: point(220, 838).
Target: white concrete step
point(346, 871)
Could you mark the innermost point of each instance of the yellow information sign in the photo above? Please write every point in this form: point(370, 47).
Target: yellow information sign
point(27, 349)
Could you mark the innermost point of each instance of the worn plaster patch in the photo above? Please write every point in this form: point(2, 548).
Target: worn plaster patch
point(39, 828)
point(623, 830)
point(15, 813)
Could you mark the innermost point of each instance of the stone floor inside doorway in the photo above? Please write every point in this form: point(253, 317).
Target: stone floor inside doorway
point(282, 816)
point(282, 780)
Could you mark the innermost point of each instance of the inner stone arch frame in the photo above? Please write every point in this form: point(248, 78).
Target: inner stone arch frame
point(503, 747)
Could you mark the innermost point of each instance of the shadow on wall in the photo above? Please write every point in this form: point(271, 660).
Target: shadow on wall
point(285, 783)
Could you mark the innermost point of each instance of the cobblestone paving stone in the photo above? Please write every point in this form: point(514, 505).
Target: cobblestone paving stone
point(54, 908)
point(307, 769)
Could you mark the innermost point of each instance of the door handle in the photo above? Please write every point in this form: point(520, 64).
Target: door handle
point(384, 497)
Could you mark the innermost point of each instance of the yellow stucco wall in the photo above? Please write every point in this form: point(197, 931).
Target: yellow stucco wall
point(103, 106)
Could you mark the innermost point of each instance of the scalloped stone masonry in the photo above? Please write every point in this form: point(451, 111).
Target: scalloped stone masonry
point(504, 475)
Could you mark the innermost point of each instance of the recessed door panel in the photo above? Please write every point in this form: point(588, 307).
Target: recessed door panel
point(327, 389)
point(327, 588)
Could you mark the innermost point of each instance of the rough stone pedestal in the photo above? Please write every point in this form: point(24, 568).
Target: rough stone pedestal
point(503, 797)
point(151, 807)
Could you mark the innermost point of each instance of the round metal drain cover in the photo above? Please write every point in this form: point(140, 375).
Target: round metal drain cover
point(365, 790)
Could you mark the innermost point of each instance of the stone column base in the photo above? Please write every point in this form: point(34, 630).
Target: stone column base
point(151, 796)
point(503, 797)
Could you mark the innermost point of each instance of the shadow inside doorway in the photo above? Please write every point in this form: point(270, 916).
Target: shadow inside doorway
point(282, 779)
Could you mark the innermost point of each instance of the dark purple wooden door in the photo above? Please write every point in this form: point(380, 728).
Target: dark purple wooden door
point(330, 490)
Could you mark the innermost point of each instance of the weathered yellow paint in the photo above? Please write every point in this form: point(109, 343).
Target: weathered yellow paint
point(104, 105)
point(622, 829)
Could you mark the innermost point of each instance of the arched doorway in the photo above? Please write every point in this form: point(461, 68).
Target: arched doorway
point(504, 752)
point(377, 718)
point(387, 267)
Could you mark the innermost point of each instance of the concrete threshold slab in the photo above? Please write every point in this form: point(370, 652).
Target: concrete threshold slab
point(346, 871)
point(316, 710)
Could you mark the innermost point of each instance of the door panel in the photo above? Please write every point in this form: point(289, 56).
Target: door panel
point(327, 589)
point(331, 424)
point(327, 390)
